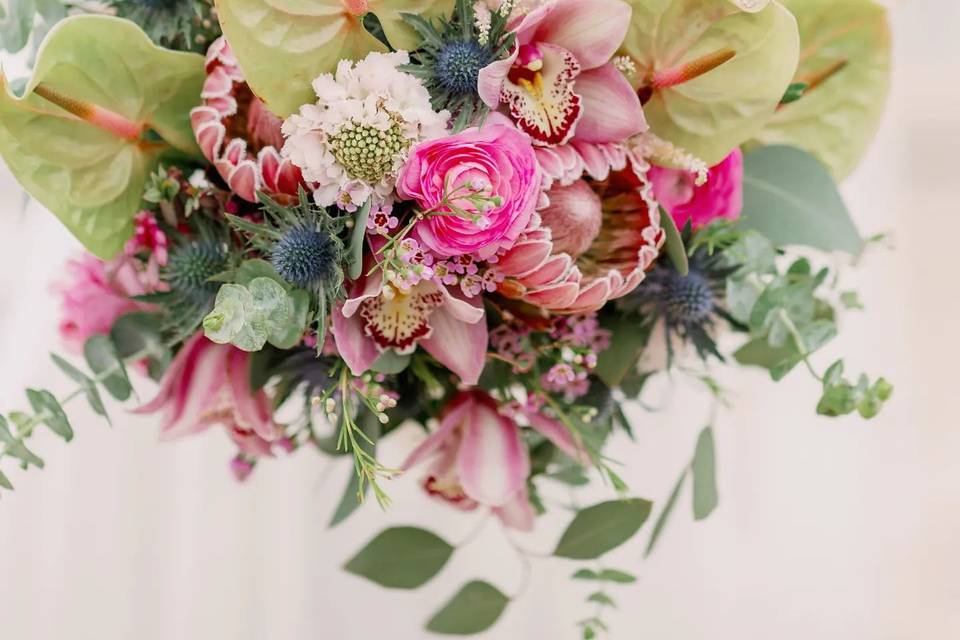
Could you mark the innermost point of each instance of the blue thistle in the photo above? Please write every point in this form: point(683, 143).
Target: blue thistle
point(685, 300)
point(458, 66)
point(192, 265)
point(305, 257)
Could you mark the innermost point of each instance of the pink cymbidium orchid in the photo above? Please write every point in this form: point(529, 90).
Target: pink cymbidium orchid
point(379, 316)
point(481, 460)
point(560, 85)
point(208, 384)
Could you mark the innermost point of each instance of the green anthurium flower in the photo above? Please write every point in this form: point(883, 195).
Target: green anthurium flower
point(712, 71)
point(845, 64)
point(283, 45)
point(103, 107)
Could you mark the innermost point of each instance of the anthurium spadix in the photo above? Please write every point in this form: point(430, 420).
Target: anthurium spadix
point(103, 108)
point(282, 45)
point(712, 72)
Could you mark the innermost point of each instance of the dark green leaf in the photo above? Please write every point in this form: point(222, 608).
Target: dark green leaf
point(629, 336)
point(5, 482)
point(790, 197)
point(665, 513)
point(602, 599)
point(704, 468)
point(602, 527)
point(675, 249)
point(355, 255)
point(48, 408)
point(621, 577)
point(141, 333)
point(401, 558)
point(89, 386)
point(475, 608)
point(391, 363)
point(585, 574)
point(103, 360)
point(350, 500)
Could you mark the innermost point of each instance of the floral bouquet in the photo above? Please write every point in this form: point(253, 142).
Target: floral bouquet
point(312, 222)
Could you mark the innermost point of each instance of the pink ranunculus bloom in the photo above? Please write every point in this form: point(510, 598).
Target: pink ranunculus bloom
point(720, 197)
point(495, 162)
point(377, 317)
point(209, 384)
point(481, 460)
point(95, 293)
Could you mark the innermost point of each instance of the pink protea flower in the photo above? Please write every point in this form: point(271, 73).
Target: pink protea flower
point(490, 173)
point(208, 384)
point(379, 316)
point(96, 293)
point(593, 244)
point(481, 459)
point(560, 86)
point(238, 134)
point(720, 197)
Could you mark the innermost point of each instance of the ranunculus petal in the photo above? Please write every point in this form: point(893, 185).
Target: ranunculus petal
point(492, 462)
point(611, 108)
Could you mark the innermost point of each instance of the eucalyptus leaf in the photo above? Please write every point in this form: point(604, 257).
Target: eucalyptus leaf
point(601, 528)
point(306, 38)
point(48, 408)
point(103, 360)
point(790, 198)
point(475, 608)
point(704, 470)
point(837, 120)
point(86, 383)
point(665, 514)
point(90, 178)
point(401, 558)
point(5, 482)
point(712, 114)
point(141, 333)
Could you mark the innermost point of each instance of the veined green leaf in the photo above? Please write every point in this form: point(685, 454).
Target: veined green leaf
point(601, 528)
point(674, 244)
point(475, 608)
point(48, 408)
point(103, 360)
point(401, 558)
point(89, 386)
point(90, 178)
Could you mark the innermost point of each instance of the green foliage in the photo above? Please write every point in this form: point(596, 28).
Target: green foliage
point(674, 247)
point(50, 413)
point(358, 240)
point(184, 25)
point(605, 575)
point(601, 528)
point(475, 608)
point(87, 385)
point(25, 18)
point(249, 316)
point(141, 333)
point(710, 115)
point(401, 558)
point(629, 336)
point(90, 178)
point(790, 198)
point(102, 358)
point(841, 397)
point(836, 120)
point(704, 471)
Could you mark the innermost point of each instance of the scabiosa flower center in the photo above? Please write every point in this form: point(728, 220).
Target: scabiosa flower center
point(192, 265)
point(687, 300)
point(458, 66)
point(305, 257)
point(367, 152)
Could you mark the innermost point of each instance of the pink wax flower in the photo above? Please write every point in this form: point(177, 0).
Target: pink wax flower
point(720, 197)
point(95, 293)
point(491, 173)
point(208, 384)
point(480, 458)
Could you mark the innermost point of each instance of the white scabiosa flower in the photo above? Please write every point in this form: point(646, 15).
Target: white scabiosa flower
point(352, 143)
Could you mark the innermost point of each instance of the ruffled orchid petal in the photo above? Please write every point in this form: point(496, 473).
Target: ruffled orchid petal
point(492, 462)
point(545, 106)
point(611, 108)
point(366, 288)
point(251, 412)
point(592, 30)
point(460, 346)
point(491, 78)
point(196, 392)
point(353, 345)
point(451, 421)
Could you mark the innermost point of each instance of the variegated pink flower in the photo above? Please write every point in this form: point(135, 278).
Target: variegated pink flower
point(592, 244)
point(209, 384)
point(720, 197)
point(378, 317)
point(560, 86)
point(481, 460)
point(238, 134)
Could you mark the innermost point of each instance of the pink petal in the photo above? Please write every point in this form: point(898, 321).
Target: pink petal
point(251, 411)
point(197, 390)
point(492, 463)
point(559, 435)
point(592, 30)
point(357, 349)
point(612, 111)
point(469, 310)
point(459, 346)
point(362, 290)
point(555, 297)
point(490, 80)
point(448, 424)
point(525, 257)
point(518, 514)
point(243, 180)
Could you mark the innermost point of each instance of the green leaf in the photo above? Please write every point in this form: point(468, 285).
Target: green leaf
point(675, 249)
point(837, 120)
point(351, 499)
point(711, 115)
point(704, 469)
point(401, 558)
point(92, 179)
point(391, 363)
point(16, 26)
point(629, 336)
point(249, 316)
point(665, 513)
point(607, 575)
point(585, 574)
point(89, 386)
point(602, 599)
point(48, 408)
point(305, 38)
point(103, 360)
point(141, 333)
point(5, 482)
point(601, 528)
point(789, 197)
point(358, 239)
point(475, 608)
point(14, 446)
point(759, 353)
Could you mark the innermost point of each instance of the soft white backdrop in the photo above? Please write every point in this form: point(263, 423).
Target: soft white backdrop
point(833, 529)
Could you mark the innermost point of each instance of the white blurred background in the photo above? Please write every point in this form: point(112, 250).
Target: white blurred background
point(830, 529)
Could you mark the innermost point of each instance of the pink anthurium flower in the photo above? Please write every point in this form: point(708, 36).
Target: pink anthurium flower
point(480, 458)
point(559, 84)
point(208, 384)
point(379, 316)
